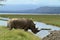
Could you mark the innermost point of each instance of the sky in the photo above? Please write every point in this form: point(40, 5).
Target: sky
point(24, 4)
point(28, 4)
point(35, 2)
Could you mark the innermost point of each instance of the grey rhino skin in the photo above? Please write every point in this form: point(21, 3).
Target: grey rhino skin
point(22, 23)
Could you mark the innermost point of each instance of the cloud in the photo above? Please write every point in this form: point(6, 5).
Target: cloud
point(36, 2)
point(22, 1)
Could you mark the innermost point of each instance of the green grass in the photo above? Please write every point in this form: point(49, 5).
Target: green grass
point(49, 19)
point(18, 34)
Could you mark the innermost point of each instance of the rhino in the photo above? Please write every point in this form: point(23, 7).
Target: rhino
point(22, 23)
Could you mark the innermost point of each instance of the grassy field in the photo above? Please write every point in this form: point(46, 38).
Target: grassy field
point(18, 34)
point(49, 19)
point(6, 34)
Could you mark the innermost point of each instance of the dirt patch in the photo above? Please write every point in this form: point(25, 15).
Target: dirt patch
point(54, 35)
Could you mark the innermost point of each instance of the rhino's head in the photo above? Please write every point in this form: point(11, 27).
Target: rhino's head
point(35, 31)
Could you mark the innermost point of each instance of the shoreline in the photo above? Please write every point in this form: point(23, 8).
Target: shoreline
point(27, 14)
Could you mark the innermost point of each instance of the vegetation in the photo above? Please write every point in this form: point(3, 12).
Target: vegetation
point(49, 19)
point(18, 34)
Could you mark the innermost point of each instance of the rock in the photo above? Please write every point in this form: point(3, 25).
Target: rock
point(54, 35)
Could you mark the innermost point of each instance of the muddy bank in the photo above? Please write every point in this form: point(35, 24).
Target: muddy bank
point(54, 35)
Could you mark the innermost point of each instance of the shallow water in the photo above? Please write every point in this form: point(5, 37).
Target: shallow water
point(44, 33)
point(3, 23)
point(39, 25)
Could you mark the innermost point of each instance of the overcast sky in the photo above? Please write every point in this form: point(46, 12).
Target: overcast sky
point(35, 2)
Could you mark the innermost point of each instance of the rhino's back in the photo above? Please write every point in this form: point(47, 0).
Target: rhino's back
point(20, 22)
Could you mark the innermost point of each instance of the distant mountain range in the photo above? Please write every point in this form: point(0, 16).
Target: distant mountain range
point(48, 10)
point(45, 9)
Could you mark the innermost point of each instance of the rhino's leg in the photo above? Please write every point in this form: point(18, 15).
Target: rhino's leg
point(7, 25)
point(26, 28)
point(10, 26)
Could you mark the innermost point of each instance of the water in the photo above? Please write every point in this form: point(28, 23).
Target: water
point(39, 25)
point(3, 23)
point(44, 33)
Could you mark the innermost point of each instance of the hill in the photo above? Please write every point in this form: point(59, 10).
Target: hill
point(47, 9)
point(44, 10)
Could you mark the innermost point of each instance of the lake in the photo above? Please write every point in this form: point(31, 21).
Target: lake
point(39, 25)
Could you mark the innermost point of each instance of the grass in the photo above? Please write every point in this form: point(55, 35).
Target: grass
point(49, 19)
point(6, 34)
point(18, 34)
